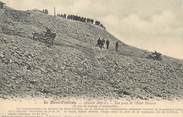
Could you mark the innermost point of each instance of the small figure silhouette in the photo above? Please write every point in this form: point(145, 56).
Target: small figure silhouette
point(107, 43)
point(117, 45)
point(99, 42)
point(102, 43)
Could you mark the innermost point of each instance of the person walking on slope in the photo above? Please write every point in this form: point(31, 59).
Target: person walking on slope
point(117, 45)
point(107, 43)
point(99, 42)
point(102, 43)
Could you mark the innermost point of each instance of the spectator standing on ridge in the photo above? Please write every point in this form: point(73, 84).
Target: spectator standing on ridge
point(107, 43)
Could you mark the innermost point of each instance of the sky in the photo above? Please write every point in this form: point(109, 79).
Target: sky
point(146, 24)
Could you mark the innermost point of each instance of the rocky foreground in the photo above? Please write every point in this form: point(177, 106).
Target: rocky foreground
point(74, 66)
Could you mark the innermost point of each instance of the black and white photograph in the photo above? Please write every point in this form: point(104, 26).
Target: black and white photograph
point(91, 49)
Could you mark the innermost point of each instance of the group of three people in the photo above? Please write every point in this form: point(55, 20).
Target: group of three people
point(102, 42)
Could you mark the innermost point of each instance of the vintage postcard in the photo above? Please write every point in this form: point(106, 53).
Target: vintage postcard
point(86, 58)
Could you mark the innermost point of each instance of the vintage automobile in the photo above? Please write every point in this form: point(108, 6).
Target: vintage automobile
point(45, 37)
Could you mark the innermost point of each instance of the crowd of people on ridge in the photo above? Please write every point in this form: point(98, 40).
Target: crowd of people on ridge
point(82, 19)
point(78, 18)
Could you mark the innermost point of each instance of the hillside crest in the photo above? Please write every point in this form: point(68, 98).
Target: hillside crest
point(74, 66)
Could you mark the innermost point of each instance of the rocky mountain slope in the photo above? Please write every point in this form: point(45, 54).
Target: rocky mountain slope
point(74, 66)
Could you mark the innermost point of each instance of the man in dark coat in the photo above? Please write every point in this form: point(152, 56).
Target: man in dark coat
point(117, 45)
point(99, 42)
point(102, 43)
point(107, 44)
